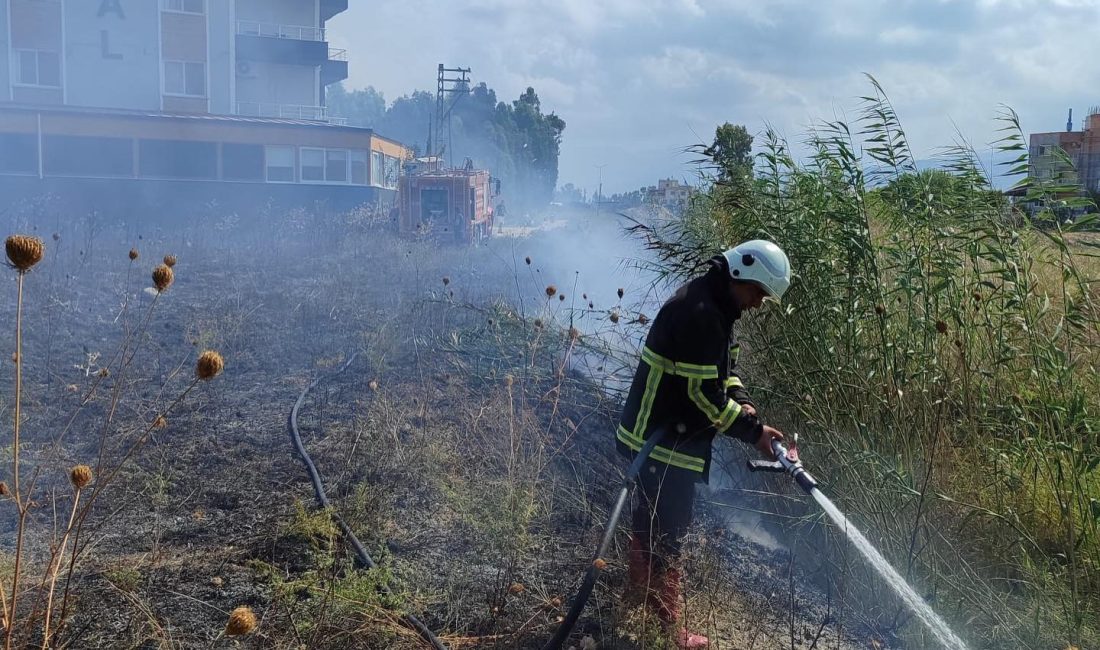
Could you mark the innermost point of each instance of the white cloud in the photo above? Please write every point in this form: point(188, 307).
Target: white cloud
point(638, 80)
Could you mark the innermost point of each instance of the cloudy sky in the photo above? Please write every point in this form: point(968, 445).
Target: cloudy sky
point(637, 81)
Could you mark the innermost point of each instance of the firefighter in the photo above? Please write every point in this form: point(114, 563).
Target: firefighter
point(688, 384)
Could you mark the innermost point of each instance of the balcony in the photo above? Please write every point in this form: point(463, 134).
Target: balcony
point(335, 68)
point(330, 8)
point(288, 111)
point(275, 30)
point(279, 43)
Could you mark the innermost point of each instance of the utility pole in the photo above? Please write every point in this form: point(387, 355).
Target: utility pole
point(599, 192)
point(445, 85)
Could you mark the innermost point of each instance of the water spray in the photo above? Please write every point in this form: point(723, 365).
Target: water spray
point(787, 462)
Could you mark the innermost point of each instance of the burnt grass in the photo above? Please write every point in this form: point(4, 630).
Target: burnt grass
point(472, 458)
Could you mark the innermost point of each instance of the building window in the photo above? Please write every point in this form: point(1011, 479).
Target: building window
point(178, 159)
point(324, 165)
point(391, 171)
point(38, 68)
point(336, 165)
point(72, 155)
point(184, 6)
point(18, 153)
point(359, 167)
point(185, 78)
point(242, 162)
point(280, 164)
point(376, 168)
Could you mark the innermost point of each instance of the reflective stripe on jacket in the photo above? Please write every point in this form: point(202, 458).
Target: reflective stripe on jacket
point(687, 379)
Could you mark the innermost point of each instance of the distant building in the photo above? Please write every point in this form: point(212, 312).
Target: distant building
point(1082, 147)
point(670, 194)
point(228, 92)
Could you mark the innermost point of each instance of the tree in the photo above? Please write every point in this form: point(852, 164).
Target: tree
point(731, 153)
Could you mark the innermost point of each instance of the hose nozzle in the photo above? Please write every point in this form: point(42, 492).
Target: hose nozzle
point(787, 462)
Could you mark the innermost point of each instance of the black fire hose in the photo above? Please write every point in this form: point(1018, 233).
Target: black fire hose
point(362, 557)
point(596, 566)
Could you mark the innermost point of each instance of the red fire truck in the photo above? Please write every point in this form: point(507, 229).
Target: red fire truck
point(448, 204)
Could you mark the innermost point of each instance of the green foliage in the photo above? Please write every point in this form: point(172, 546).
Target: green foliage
point(939, 351)
point(516, 142)
point(731, 153)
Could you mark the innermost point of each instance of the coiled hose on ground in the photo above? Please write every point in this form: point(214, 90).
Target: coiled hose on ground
point(596, 566)
point(363, 558)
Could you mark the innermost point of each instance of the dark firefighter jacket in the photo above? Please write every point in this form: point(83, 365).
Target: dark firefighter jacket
point(687, 380)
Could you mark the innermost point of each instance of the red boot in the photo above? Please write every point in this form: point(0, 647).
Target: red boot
point(665, 599)
point(638, 572)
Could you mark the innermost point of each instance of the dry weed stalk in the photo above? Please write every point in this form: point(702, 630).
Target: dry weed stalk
point(23, 253)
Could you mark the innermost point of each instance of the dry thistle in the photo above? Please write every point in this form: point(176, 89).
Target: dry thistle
point(103, 372)
point(509, 380)
point(217, 581)
point(584, 296)
point(643, 319)
point(562, 297)
point(528, 260)
point(574, 333)
point(57, 236)
point(162, 277)
point(551, 290)
point(620, 292)
point(4, 491)
point(590, 305)
point(169, 260)
point(241, 621)
point(614, 316)
point(24, 251)
point(599, 563)
point(538, 323)
point(941, 327)
point(160, 423)
point(516, 588)
point(446, 280)
point(880, 309)
point(210, 365)
point(373, 385)
point(555, 602)
point(81, 475)
point(133, 254)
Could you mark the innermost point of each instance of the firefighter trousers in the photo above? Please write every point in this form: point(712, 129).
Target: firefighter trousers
point(664, 502)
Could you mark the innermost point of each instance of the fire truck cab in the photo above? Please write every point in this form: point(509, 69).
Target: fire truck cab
point(448, 204)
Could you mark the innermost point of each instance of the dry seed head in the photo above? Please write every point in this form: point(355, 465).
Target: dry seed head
point(620, 292)
point(446, 280)
point(162, 277)
point(103, 372)
point(241, 621)
point(590, 305)
point(584, 296)
point(160, 423)
point(599, 563)
point(24, 251)
point(555, 602)
point(81, 475)
point(169, 260)
point(56, 237)
point(941, 327)
point(373, 385)
point(574, 333)
point(509, 380)
point(880, 309)
point(217, 581)
point(643, 319)
point(551, 290)
point(133, 254)
point(538, 323)
point(210, 365)
point(516, 588)
point(528, 260)
point(562, 297)
point(614, 317)
point(4, 491)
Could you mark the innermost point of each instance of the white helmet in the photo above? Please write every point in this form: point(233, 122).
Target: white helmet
point(762, 263)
